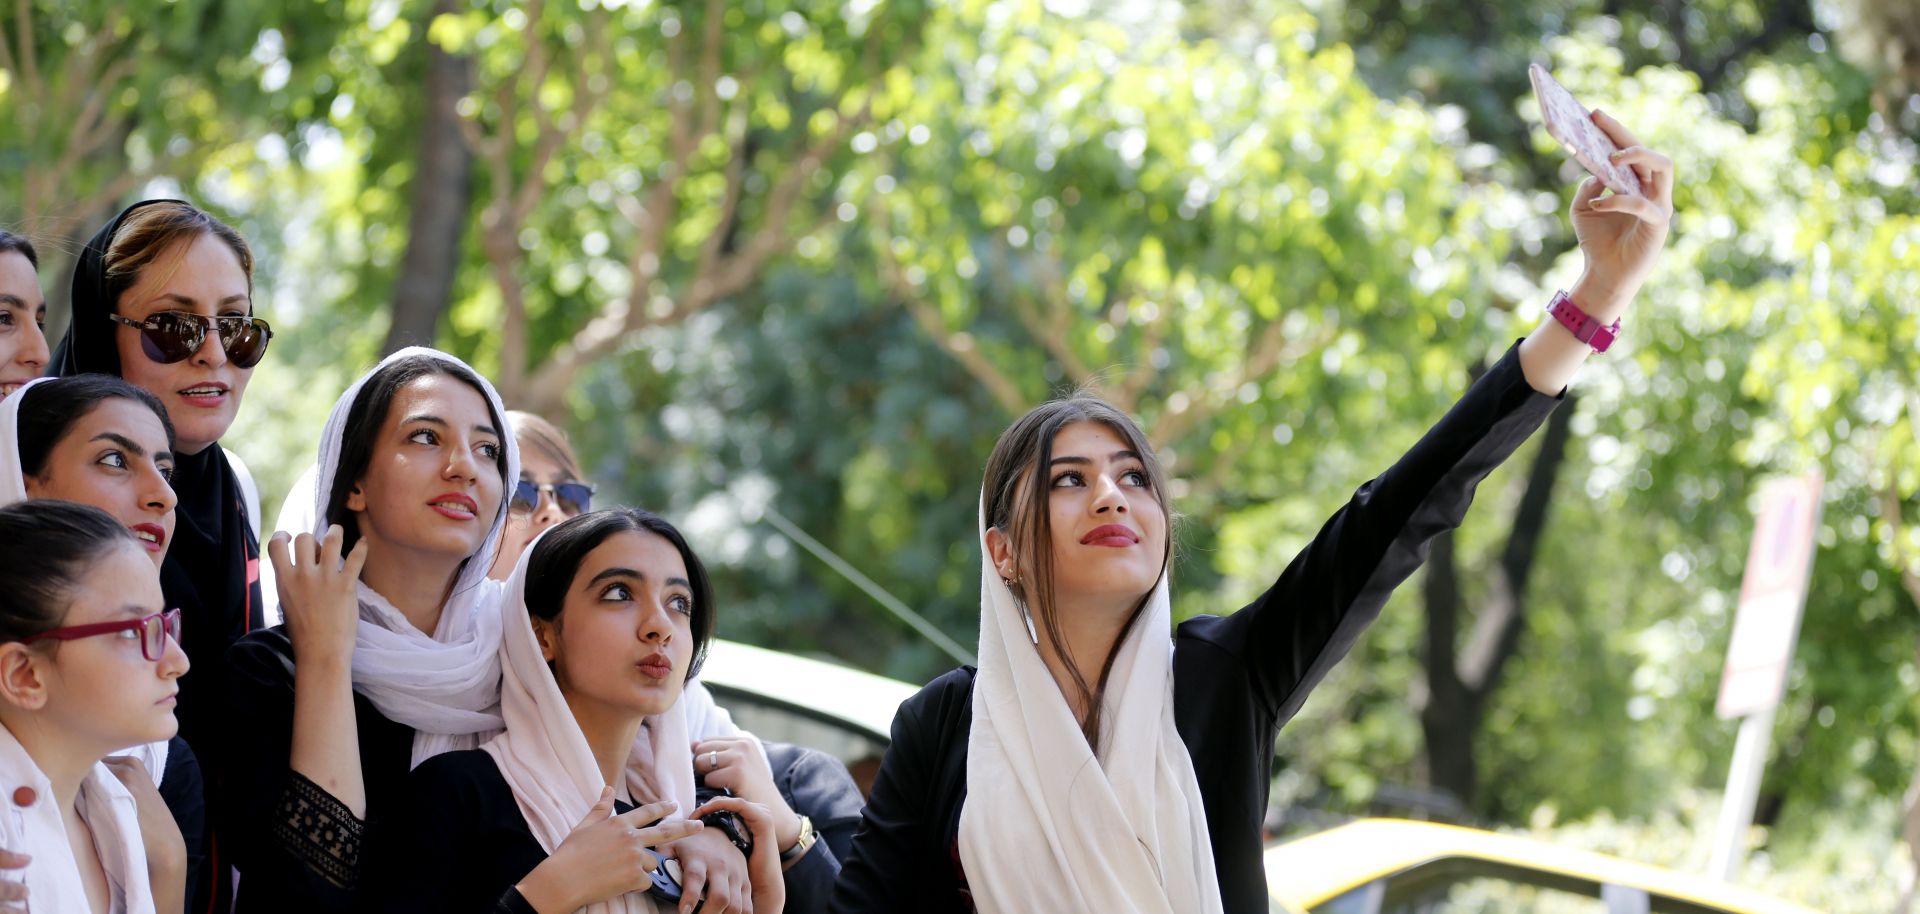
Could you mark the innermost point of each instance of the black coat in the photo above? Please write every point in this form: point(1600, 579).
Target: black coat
point(1237, 678)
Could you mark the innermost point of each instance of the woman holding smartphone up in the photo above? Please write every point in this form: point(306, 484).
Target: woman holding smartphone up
point(1102, 760)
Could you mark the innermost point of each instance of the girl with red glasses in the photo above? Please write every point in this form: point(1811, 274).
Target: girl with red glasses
point(90, 664)
point(98, 440)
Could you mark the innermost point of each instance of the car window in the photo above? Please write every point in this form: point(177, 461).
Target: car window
point(1459, 885)
point(780, 721)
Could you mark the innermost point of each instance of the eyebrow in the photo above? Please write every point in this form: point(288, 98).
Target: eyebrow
point(15, 301)
point(1114, 457)
point(630, 573)
point(135, 610)
point(190, 300)
point(436, 420)
point(125, 442)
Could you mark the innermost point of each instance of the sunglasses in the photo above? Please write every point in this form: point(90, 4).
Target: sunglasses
point(573, 497)
point(153, 632)
point(174, 336)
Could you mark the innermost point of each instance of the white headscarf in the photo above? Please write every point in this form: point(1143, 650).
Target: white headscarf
point(546, 760)
point(13, 489)
point(13, 479)
point(447, 687)
point(1048, 819)
point(39, 829)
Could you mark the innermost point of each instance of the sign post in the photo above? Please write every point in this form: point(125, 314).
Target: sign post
point(1772, 595)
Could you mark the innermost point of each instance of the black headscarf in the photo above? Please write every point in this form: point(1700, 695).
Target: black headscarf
point(212, 567)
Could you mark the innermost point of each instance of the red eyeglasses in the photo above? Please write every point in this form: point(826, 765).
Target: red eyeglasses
point(153, 632)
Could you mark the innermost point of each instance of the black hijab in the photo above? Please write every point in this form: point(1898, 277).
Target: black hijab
point(212, 567)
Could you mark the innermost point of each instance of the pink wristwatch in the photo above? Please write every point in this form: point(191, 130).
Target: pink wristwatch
point(1584, 327)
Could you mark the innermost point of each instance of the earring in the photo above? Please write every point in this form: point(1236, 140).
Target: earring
point(1027, 615)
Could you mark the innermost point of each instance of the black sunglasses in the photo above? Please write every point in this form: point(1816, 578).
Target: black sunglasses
point(574, 498)
point(174, 336)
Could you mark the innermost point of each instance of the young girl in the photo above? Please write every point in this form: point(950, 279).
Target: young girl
point(608, 617)
point(89, 665)
point(813, 800)
point(23, 314)
point(98, 440)
point(1088, 764)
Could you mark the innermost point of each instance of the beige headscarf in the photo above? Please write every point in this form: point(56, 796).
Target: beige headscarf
point(1049, 824)
point(545, 758)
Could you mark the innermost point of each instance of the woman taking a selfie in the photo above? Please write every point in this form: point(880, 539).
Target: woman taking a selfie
point(1093, 764)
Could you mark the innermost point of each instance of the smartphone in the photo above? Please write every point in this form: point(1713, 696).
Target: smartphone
point(1572, 124)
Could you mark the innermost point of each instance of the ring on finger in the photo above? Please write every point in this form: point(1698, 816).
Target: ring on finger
point(713, 760)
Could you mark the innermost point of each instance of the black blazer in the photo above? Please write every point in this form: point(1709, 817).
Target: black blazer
point(1236, 678)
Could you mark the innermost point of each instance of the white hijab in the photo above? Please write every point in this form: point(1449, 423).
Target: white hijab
point(13, 489)
point(1048, 823)
point(545, 758)
point(447, 687)
point(40, 830)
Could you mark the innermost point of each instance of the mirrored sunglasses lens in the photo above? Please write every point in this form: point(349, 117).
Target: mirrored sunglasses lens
point(169, 338)
point(245, 340)
point(574, 497)
point(525, 497)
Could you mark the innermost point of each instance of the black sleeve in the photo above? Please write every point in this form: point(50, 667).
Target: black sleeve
point(897, 846)
point(1295, 632)
point(818, 786)
point(297, 847)
point(184, 790)
point(458, 844)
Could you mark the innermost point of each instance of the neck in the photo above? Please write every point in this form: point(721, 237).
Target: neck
point(57, 754)
point(610, 733)
point(417, 585)
point(1090, 631)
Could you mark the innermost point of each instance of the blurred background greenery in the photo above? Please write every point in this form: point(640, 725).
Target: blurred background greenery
point(811, 257)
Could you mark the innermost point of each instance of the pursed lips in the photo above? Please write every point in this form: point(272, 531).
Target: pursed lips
point(1111, 535)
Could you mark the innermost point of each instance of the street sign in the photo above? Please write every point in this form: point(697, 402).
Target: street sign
point(1771, 597)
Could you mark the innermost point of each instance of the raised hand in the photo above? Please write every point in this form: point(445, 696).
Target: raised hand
point(318, 592)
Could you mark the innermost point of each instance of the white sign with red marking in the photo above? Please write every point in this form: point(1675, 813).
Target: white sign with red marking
point(1772, 596)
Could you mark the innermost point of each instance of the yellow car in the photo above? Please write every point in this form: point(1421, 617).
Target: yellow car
point(1389, 866)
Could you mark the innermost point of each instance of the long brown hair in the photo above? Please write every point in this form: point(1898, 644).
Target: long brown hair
point(1024, 452)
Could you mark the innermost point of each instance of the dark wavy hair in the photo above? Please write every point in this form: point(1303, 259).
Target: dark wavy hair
point(557, 556)
point(50, 546)
point(48, 410)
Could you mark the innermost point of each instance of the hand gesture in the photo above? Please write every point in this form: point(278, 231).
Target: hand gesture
point(605, 856)
point(739, 764)
point(1622, 234)
point(769, 887)
point(319, 593)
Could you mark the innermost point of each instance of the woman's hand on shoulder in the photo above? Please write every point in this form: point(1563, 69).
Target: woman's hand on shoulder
point(1621, 234)
point(763, 868)
point(319, 592)
point(739, 764)
point(605, 856)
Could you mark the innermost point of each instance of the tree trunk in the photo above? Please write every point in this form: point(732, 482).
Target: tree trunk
point(439, 201)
